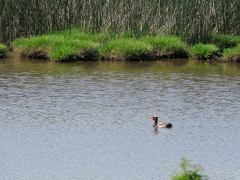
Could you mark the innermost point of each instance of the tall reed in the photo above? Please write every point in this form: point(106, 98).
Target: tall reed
point(189, 19)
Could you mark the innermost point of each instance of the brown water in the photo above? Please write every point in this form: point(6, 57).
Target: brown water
point(92, 120)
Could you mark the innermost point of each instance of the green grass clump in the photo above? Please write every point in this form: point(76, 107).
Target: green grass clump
point(3, 50)
point(189, 171)
point(204, 51)
point(77, 45)
point(75, 33)
point(129, 49)
point(224, 41)
point(167, 46)
point(74, 50)
point(35, 47)
point(231, 54)
point(59, 46)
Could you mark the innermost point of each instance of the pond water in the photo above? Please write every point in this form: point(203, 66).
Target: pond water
point(91, 120)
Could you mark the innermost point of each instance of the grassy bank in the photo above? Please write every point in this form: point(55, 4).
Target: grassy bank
point(3, 51)
point(231, 55)
point(130, 49)
point(70, 45)
point(220, 47)
point(222, 41)
point(75, 45)
point(167, 46)
point(205, 51)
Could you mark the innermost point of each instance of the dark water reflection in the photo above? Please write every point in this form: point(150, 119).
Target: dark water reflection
point(92, 120)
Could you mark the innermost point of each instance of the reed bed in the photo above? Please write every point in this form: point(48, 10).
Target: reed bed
point(191, 20)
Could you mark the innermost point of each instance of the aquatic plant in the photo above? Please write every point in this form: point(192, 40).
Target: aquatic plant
point(189, 171)
point(35, 47)
point(167, 46)
point(59, 46)
point(3, 50)
point(75, 50)
point(79, 33)
point(223, 41)
point(231, 54)
point(129, 49)
point(205, 51)
point(77, 45)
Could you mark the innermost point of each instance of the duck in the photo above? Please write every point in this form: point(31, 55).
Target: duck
point(162, 125)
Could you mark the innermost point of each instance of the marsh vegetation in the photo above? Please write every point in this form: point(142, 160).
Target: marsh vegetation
point(128, 29)
point(192, 20)
point(76, 45)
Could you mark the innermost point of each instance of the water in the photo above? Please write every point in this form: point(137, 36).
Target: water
point(92, 120)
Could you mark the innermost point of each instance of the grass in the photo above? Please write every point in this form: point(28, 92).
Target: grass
point(223, 41)
point(204, 51)
point(189, 171)
point(231, 54)
point(3, 50)
point(76, 45)
point(59, 46)
point(130, 49)
point(36, 47)
point(75, 50)
point(167, 46)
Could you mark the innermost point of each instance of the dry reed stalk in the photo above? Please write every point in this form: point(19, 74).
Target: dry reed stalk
point(190, 19)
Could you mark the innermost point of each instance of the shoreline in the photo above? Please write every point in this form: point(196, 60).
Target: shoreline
point(74, 45)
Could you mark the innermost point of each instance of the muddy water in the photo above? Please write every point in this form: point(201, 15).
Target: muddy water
point(92, 120)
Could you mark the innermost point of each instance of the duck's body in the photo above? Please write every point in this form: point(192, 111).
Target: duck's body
point(162, 125)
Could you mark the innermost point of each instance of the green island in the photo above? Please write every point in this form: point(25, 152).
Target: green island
point(131, 30)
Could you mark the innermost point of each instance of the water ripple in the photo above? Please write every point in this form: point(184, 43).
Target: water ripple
point(96, 125)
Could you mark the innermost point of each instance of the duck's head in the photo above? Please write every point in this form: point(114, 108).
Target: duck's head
point(154, 117)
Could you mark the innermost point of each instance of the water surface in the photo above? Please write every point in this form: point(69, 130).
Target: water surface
point(92, 120)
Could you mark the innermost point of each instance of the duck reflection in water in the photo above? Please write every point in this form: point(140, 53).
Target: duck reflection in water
point(156, 125)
